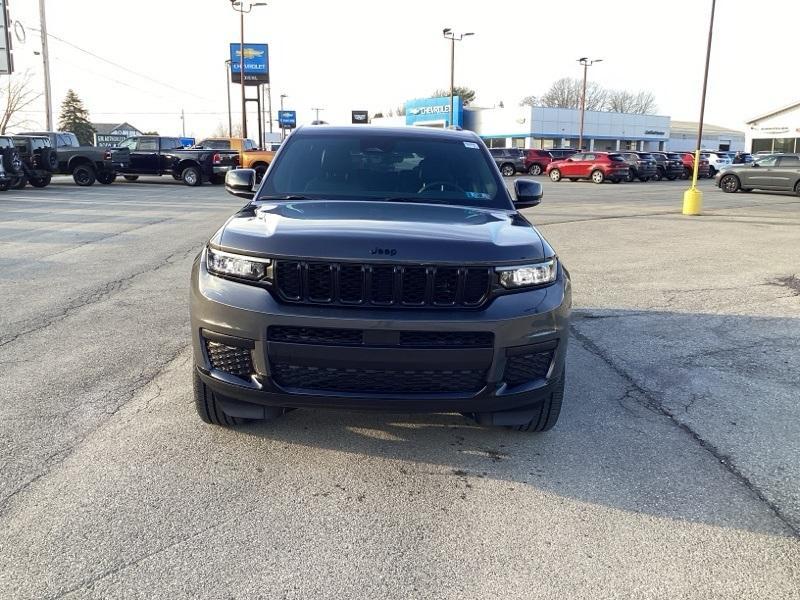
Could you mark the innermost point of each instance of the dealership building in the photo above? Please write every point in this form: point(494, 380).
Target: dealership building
point(542, 127)
point(777, 131)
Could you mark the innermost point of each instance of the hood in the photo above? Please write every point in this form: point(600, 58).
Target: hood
point(382, 232)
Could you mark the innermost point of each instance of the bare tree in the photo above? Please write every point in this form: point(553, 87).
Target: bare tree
point(529, 101)
point(567, 92)
point(17, 94)
point(623, 101)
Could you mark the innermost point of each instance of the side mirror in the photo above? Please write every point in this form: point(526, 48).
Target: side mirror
point(529, 193)
point(240, 182)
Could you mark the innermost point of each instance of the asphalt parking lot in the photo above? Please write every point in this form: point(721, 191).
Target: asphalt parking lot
point(673, 472)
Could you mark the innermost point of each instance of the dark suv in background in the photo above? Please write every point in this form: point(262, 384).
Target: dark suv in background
point(378, 268)
point(642, 165)
point(38, 158)
point(668, 166)
point(509, 160)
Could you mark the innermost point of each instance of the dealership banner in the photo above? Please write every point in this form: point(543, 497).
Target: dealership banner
point(435, 111)
point(108, 140)
point(359, 117)
point(256, 64)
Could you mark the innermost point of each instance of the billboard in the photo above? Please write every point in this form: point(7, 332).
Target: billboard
point(435, 111)
point(287, 119)
point(360, 117)
point(6, 62)
point(256, 64)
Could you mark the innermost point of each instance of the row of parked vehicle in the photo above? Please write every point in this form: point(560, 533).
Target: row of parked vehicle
point(34, 157)
point(569, 163)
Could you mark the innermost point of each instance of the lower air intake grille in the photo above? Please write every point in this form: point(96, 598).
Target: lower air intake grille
point(524, 368)
point(373, 381)
point(230, 359)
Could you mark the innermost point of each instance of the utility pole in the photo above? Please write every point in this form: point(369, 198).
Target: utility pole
point(241, 71)
point(48, 100)
point(453, 37)
point(693, 198)
point(183, 122)
point(586, 62)
point(228, 85)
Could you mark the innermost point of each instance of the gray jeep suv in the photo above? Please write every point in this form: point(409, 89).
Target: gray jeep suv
point(380, 268)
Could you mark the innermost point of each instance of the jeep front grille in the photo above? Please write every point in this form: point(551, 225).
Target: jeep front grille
point(375, 285)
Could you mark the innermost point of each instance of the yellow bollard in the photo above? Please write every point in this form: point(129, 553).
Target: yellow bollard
point(693, 198)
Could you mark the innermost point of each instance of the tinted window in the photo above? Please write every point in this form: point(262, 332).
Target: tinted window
point(674, 156)
point(789, 161)
point(38, 143)
point(170, 143)
point(769, 161)
point(589, 157)
point(216, 144)
point(6, 143)
point(369, 167)
point(250, 145)
point(147, 145)
point(616, 157)
point(130, 144)
point(646, 157)
point(496, 151)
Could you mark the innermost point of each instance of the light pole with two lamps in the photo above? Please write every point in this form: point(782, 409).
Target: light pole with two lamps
point(586, 62)
point(239, 6)
point(453, 37)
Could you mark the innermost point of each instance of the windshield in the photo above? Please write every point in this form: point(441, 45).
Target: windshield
point(354, 166)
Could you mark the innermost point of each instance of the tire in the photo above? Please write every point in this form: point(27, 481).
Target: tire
point(711, 172)
point(549, 410)
point(631, 175)
point(191, 176)
point(598, 176)
point(535, 169)
point(729, 184)
point(261, 170)
point(508, 170)
point(12, 163)
point(796, 188)
point(49, 160)
point(659, 175)
point(84, 175)
point(19, 182)
point(671, 177)
point(208, 409)
point(614, 180)
point(131, 177)
point(687, 173)
point(4, 185)
point(644, 179)
point(41, 182)
point(107, 177)
point(555, 175)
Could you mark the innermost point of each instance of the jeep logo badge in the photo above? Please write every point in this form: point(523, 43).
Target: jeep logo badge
point(384, 251)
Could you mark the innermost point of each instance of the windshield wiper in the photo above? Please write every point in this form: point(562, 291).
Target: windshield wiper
point(418, 199)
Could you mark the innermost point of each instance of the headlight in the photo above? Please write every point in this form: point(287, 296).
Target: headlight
point(238, 265)
point(529, 275)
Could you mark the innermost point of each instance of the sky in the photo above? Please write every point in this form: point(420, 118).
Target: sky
point(374, 55)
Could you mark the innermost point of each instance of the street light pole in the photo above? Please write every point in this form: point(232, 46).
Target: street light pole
point(449, 34)
point(48, 100)
point(228, 85)
point(317, 111)
point(283, 129)
point(693, 198)
point(586, 62)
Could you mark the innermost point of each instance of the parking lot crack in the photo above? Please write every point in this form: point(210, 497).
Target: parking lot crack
point(649, 400)
point(97, 295)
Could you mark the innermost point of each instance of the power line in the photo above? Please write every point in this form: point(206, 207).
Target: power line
point(119, 66)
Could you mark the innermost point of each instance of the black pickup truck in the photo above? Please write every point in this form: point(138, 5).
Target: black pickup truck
point(86, 164)
point(155, 155)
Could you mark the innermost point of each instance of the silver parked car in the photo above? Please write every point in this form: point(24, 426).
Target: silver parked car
point(780, 172)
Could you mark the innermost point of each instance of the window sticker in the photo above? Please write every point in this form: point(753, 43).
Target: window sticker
point(471, 145)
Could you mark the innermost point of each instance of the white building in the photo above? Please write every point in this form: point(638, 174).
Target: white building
point(777, 131)
point(683, 137)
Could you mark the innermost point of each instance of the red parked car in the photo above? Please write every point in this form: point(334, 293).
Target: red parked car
point(703, 171)
point(597, 166)
point(536, 161)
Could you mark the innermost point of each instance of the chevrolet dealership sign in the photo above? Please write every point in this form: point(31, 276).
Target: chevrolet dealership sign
point(435, 110)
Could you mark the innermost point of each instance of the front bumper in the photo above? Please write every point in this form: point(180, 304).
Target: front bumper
point(520, 323)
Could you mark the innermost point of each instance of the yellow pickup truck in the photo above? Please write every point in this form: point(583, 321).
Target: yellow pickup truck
point(250, 157)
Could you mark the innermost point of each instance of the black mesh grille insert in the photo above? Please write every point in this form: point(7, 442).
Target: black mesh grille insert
point(377, 381)
point(233, 360)
point(523, 368)
point(440, 339)
point(381, 285)
point(445, 286)
point(315, 335)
